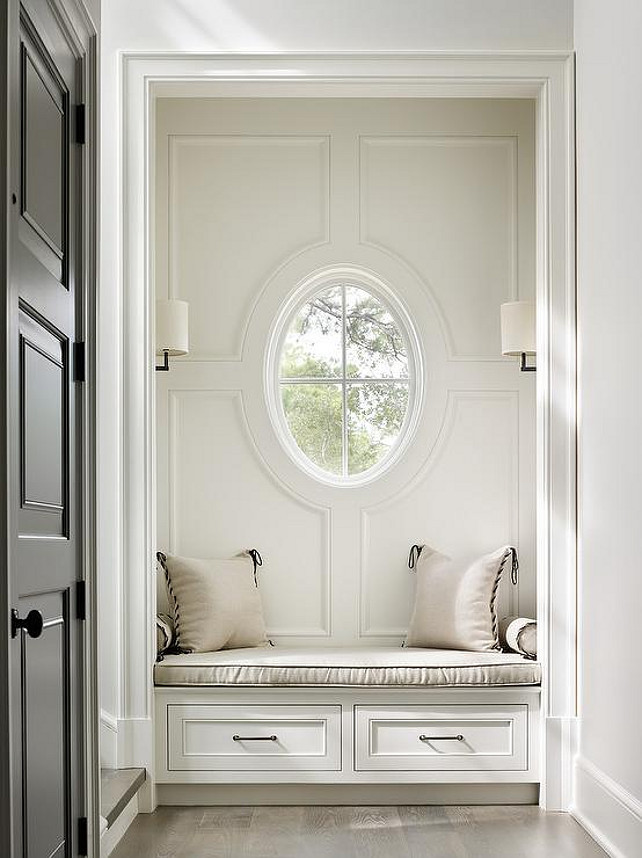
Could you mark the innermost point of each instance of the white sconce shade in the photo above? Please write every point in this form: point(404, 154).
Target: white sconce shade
point(518, 328)
point(172, 328)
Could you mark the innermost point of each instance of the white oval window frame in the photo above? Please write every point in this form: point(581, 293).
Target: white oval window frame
point(306, 289)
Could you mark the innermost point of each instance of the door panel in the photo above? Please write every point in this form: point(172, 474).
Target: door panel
point(43, 379)
point(45, 725)
point(44, 153)
point(46, 545)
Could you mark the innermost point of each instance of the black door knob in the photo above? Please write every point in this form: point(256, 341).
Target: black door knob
point(32, 623)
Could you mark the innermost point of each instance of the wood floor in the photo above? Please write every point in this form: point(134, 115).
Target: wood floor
point(355, 832)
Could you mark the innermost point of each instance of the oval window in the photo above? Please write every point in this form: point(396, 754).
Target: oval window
point(346, 381)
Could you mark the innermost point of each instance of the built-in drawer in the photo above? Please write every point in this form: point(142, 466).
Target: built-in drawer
point(253, 738)
point(444, 738)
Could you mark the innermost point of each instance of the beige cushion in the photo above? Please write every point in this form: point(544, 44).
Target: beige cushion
point(519, 634)
point(217, 604)
point(379, 667)
point(455, 601)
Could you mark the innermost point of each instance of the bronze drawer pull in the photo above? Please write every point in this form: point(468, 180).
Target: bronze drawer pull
point(254, 739)
point(457, 738)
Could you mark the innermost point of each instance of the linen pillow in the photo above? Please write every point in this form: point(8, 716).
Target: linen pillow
point(519, 634)
point(455, 601)
point(217, 604)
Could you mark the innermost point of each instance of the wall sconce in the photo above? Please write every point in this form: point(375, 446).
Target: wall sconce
point(172, 334)
point(518, 331)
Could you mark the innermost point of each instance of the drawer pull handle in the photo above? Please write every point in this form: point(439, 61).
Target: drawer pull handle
point(457, 738)
point(254, 739)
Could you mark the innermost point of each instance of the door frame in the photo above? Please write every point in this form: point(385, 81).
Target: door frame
point(82, 35)
point(548, 79)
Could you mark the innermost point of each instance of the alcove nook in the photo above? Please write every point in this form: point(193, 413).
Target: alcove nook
point(272, 208)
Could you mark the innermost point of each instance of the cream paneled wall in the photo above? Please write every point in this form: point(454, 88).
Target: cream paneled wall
point(436, 197)
point(239, 205)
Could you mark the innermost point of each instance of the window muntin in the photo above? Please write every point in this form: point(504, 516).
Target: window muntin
point(345, 382)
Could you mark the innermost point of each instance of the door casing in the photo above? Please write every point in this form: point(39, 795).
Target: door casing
point(548, 79)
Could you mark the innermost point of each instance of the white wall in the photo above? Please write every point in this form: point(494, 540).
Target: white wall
point(436, 198)
point(336, 25)
point(609, 130)
point(253, 25)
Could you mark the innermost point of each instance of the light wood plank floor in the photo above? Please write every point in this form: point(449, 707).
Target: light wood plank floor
point(355, 832)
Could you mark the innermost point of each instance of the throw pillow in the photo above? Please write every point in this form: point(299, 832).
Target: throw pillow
point(217, 604)
point(455, 601)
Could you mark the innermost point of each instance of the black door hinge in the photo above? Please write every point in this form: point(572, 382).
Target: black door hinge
point(79, 361)
point(81, 600)
point(81, 124)
point(83, 836)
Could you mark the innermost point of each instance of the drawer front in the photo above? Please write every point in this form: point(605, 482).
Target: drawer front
point(253, 738)
point(452, 738)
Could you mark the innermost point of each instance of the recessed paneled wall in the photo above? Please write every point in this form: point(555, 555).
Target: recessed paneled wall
point(436, 199)
point(239, 205)
point(459, 228)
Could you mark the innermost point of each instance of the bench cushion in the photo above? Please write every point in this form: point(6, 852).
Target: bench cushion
point(377, 667)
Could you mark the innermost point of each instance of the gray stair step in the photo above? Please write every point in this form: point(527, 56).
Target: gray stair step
point(117, 788)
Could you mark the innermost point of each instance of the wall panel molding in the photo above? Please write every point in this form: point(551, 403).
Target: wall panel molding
point(506, 142)
point(509, 596)
point(226, 143)
point(321, 514)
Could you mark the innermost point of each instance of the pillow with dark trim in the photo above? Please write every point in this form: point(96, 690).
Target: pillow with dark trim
point(217, 604)
point(455, 600)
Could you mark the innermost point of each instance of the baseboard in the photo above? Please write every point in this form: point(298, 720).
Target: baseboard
point(136, 749)
point(125, 742)
point(108, 740)
point(112, 836)
point(610, 814)
point(135, 742)
point(560, 750)
point(345, 794)
point(128, 743)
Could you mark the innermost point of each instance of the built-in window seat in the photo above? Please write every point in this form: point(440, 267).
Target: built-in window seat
point(344, 716)
point(347, 667)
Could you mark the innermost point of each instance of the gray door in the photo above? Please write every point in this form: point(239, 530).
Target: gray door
point(44, 503)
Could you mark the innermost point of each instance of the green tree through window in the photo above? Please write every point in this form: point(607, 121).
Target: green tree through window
point(344, 380)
